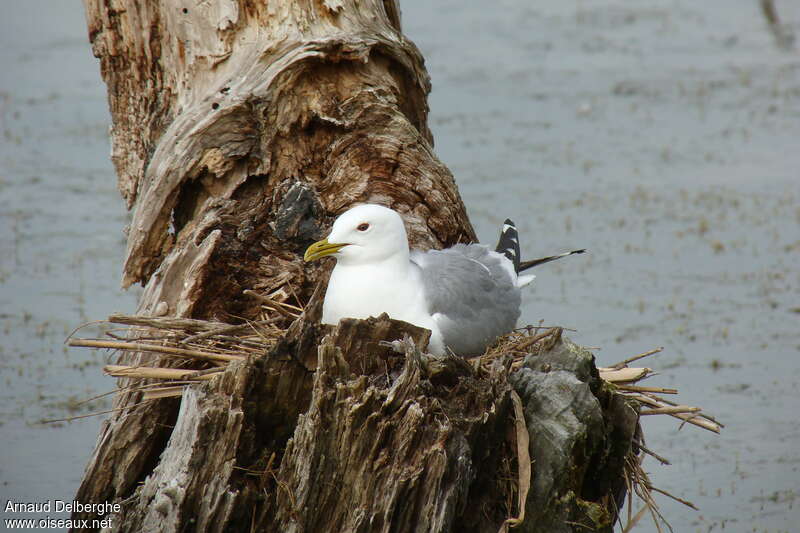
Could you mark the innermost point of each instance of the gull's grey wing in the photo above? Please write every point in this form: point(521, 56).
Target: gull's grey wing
point(470, 294)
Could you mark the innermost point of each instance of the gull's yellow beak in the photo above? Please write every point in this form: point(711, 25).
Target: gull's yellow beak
point(321, 249)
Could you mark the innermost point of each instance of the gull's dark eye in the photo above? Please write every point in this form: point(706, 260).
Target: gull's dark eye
point(363, 226)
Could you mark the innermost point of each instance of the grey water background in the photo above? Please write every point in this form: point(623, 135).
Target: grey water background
point(662, 136)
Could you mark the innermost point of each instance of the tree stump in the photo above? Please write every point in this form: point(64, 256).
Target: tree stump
point(240, 130)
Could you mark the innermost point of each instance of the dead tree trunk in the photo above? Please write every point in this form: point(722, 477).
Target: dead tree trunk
point(240, 129)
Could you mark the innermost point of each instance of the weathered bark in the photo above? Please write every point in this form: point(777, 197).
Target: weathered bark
point(581, 434)
point(240, 129)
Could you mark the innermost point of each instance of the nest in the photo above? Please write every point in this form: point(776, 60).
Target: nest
point(622, 379)
point(188, 351)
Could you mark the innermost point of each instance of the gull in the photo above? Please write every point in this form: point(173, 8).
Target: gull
point(466, 295)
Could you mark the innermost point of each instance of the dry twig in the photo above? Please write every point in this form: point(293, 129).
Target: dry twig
point(141, 347)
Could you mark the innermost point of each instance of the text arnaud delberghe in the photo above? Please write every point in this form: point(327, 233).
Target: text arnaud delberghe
point(61, 506)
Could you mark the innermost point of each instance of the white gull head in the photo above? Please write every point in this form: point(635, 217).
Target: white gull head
point(371, 234)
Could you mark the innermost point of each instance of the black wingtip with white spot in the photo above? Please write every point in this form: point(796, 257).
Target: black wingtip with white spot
point(508, 244)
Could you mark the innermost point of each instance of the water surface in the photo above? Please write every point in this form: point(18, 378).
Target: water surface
point(662, 136)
